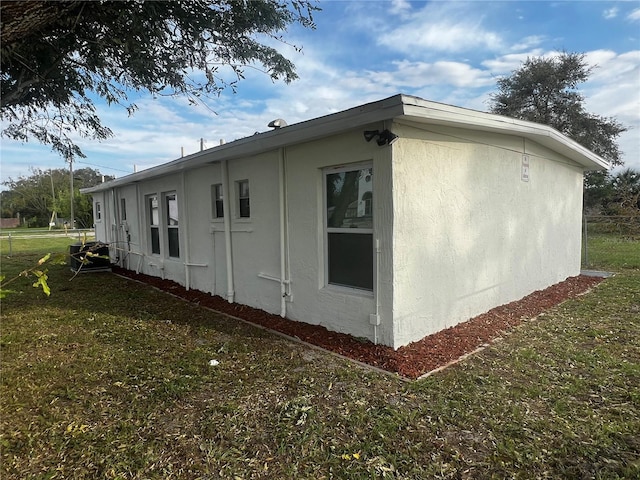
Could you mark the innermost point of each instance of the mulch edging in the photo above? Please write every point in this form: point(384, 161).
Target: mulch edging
point(415, 360)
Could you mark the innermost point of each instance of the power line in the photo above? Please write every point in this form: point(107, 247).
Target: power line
point(103, 166)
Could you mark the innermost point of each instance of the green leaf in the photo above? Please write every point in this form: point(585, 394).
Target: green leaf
point(41, 281)
point(44, 259)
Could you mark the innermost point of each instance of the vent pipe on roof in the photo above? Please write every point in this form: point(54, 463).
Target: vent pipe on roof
point(277, 123)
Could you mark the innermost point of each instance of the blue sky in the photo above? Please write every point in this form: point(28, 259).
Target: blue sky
point(362, 51)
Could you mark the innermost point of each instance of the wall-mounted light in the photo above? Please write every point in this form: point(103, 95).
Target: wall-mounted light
point(385, 137)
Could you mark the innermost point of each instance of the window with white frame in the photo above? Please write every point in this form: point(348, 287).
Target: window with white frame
point(244, 210)
point(171, 209)
point(348, 193)
point(154, 222)
point(98, 212)
point(217, 201)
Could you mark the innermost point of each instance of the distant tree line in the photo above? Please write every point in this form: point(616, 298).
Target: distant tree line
point(36, 197)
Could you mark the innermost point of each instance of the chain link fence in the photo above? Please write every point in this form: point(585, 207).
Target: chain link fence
point(621, 228)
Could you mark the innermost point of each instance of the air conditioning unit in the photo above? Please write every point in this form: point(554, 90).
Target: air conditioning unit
point(95, 264)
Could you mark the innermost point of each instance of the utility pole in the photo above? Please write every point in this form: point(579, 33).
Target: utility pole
point(53, 200)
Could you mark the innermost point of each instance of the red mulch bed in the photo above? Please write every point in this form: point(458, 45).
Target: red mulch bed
point(411, 361)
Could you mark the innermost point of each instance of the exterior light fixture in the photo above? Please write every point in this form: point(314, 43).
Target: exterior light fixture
point(385, 137)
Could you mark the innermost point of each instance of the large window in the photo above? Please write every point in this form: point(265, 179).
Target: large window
point(154, 223)
point(217, 205)
point(171, 204)
point(349, 226)
point(243, 199)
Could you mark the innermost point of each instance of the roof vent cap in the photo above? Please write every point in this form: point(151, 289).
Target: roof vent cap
point(277, 123)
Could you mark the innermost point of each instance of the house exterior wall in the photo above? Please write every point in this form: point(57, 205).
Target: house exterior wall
point(255, 241)
point(457, 230)
point(313, 301)
point(469, 234)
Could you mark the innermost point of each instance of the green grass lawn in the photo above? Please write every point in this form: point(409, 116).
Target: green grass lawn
point(39, 243)
point(612, 252)
point(109, 378)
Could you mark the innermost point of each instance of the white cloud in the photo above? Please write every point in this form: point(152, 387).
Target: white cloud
point(441, 27)
point(527, 43)
point(444, 73)
point(613, 90)
point(400, 7)
point(611, 13)
point(634, 16)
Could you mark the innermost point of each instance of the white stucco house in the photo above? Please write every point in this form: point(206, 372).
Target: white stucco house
point(391, 221)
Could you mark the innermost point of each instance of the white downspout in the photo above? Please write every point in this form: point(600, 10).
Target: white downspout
point(283, 237)
point(142, 234)
point(376, 321)
point(227, 230)
point(187, 251)
point(114, 224)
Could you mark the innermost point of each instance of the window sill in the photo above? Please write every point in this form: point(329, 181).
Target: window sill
point(355, 292)
point(219, 228)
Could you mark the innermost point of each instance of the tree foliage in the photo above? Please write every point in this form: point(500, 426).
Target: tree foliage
point(59, 56)
point(614, 194)
point(545, 90)
point(35, 197)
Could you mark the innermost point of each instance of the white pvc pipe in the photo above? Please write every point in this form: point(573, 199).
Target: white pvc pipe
point(227, 230)
point(114, 223)
point(183, 225)
point(142, 236)
point(283, 239)
point(377, 292)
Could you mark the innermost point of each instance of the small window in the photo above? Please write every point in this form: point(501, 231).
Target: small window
point(217, 205)
point(154, 223)
point(98, 212)
point(171, 203)
point(243, 199)
point(123, 209)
